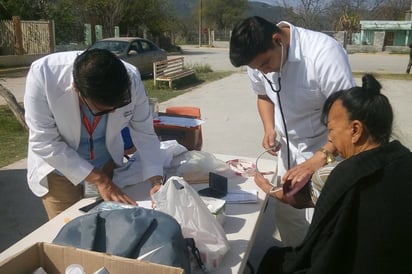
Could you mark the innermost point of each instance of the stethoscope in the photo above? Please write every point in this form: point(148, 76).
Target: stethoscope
point(277, 91)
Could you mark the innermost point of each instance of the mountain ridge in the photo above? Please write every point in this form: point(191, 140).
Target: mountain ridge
point(186, 8)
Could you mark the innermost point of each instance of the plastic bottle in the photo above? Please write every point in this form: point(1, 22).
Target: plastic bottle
point(74, 269)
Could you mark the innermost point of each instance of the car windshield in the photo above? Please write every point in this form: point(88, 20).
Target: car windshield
point(114, 46)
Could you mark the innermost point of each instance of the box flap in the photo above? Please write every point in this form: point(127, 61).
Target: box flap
point(54, 259)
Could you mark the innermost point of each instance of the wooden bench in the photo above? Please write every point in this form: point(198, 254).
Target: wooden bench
point(170, 70)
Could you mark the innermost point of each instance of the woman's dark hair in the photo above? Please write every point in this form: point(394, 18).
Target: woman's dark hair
point(250, 37)
point(99, 75)
point(366, 104)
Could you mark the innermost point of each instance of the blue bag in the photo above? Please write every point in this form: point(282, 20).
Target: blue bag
point(132, 233)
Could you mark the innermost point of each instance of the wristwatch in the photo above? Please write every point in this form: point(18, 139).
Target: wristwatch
point(329, 156)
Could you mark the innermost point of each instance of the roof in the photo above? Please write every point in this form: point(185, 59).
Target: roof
point(385, 24)
point(127, 39)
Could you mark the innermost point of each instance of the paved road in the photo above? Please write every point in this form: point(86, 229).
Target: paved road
point(232, 127)
point(379, 62)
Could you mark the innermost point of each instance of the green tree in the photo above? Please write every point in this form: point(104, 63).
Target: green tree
point(108, 13)
point(223, 14)
point(2, 9)
point(26, 9)
point(154, 15)
point(68, 21)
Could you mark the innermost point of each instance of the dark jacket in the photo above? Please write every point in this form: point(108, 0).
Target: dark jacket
point(363, 218)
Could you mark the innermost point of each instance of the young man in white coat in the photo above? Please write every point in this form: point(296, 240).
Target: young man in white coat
point(76, 104)
point(292, 71)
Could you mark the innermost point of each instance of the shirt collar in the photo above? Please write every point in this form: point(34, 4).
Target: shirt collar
point(294, 52)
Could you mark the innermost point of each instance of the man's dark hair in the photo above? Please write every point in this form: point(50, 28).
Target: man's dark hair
point(99, 75)
point(251, 37)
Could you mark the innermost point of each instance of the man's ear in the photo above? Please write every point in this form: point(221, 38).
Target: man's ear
point(277, 39)
point(75, 89)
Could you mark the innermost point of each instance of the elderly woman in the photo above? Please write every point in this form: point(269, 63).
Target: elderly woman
point(362, 221)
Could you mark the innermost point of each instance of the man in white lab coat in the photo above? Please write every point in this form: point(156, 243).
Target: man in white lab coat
point(292, 71)
point(76, 104)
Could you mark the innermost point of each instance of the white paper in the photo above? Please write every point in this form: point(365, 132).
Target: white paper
point(180, 121)
point(146, 204)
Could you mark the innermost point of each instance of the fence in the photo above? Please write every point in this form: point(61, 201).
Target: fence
point(26, 37)
point(208, 38)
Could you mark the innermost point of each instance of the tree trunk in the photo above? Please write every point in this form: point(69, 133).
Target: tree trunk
point(17, 109)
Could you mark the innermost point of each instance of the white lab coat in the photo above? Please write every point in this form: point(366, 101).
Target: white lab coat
point(53, 116)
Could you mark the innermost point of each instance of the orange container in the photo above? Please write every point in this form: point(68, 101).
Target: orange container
point(190, 137)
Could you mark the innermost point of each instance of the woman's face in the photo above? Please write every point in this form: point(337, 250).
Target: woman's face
point(341, 130)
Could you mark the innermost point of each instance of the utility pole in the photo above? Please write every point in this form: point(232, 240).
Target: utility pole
point(200, 24)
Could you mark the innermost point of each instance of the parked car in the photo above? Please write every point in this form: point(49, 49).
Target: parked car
point(134, 50)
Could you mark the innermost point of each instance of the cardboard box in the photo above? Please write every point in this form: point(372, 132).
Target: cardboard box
point(55, 258)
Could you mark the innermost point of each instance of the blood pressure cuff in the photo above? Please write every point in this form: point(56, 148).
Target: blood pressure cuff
point(298, 195)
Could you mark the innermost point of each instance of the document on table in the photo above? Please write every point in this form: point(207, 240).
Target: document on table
point(241, 196)
point(180, 121)
point(146, 204)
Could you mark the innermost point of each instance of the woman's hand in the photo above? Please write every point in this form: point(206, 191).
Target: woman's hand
point(267, 187)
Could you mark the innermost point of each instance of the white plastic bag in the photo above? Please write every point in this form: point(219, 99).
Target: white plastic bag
point(131, 172)
point(195, 166)
point(178, 199)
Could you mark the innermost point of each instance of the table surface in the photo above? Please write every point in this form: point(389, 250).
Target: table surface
point(241, 220)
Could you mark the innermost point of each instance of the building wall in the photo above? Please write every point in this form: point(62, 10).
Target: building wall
point(379, 40)
point(397, 33)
